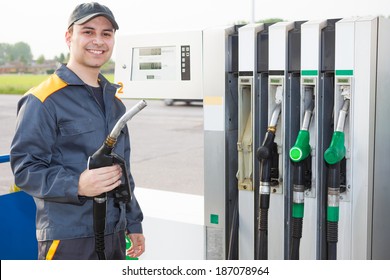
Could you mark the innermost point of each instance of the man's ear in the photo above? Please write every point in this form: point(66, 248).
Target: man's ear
point(68, 37)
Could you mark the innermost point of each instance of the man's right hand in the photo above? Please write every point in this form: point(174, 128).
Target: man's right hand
point(93, 182)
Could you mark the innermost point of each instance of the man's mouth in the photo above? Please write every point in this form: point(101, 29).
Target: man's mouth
point(95, 51)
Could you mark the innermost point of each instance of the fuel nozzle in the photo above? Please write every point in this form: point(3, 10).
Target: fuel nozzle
point(124, 119)
point(102, 157)
point(336, 151)
point(265, 151)
point(301, 148)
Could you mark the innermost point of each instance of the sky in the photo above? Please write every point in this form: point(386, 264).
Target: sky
point(42, 23)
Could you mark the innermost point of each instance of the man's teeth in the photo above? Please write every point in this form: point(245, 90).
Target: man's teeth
point(95, 51)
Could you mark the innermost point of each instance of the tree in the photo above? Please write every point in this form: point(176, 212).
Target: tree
point(60, 59)
point(19, 52)
point(4, 53)
point(22, 52)
point(41, 59)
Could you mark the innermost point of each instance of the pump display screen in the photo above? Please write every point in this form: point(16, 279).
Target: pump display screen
point(154, 63)
point(169, 63)
point(150, 51)
point(149, 65)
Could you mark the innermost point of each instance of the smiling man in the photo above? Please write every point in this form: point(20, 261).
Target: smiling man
point(62, 122)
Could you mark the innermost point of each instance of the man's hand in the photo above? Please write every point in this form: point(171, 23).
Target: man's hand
point(137, 245)
point(93, 182)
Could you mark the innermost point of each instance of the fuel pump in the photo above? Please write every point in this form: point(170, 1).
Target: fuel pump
point(333, 156)
point(325, 124)
point(220, 85)
point(277, 95)
point(305, 154)
point(247, 174)
point(104, 156)
point(261, 117)
point(354, 197)
point(296, 171)
point(231, 128)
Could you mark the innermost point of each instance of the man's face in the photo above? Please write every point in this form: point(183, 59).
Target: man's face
point(91, 44)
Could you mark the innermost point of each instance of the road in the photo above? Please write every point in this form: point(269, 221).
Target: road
point(166, 142)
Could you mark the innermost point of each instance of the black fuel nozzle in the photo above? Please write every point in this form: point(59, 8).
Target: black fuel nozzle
point(333, 184)
point(266, 149)
point(104, 156)
point(264, 154)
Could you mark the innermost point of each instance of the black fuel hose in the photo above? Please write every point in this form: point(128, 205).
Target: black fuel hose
point(232, 233)
point(264, 155)
point(100, 158)
point(333, 210)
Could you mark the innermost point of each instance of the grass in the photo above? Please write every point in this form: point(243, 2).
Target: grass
point(21, 83)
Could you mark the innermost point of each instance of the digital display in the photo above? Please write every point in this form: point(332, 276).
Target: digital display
point(149, 65)
point(149, 51)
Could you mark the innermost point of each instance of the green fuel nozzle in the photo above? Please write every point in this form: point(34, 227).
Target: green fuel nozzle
point(336, 151)
point(301, 148)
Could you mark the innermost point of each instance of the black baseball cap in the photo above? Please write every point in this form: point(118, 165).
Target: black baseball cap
point(87, 11)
